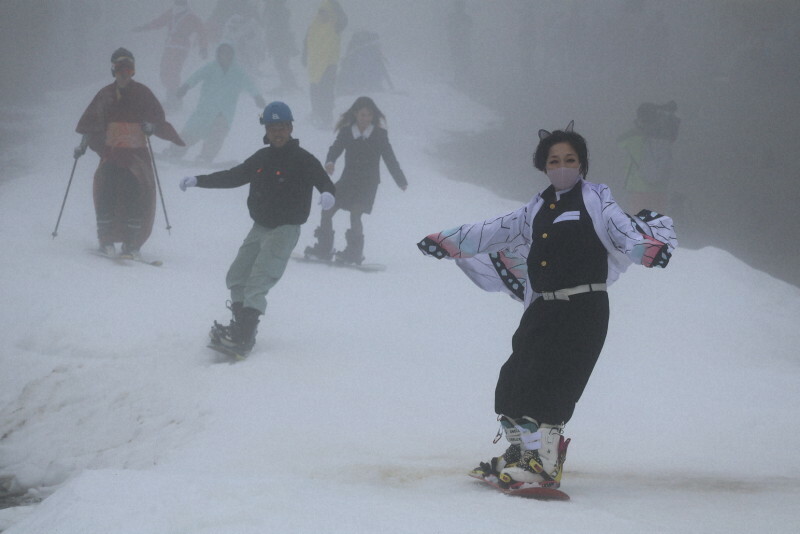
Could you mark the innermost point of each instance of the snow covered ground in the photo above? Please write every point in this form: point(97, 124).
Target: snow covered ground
point(369, 395)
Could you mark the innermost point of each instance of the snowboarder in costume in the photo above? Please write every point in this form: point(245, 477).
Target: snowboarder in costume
point(181, 24)
point(282, 177)
point(364, 141)
point(557, 254)
point(115, 125)
point(223, 80)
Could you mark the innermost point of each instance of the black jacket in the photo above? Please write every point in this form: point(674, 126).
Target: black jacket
point(281, 182)
point(358, 184)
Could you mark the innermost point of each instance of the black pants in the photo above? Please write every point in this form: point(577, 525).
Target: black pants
point(323, 96)
point(118, 183)
point(554, 351)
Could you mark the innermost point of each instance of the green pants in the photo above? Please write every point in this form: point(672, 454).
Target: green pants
point(260, 263)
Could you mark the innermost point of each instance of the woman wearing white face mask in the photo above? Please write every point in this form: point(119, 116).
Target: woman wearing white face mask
point(557, 254)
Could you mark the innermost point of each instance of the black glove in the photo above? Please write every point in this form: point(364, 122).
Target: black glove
point(148, 128)
point(661, 258)
point(429, 247)
point(80, 150)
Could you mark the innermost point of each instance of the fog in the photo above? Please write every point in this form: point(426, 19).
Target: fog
point(731, 66)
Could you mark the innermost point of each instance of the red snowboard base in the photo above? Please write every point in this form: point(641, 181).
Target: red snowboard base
point(527, 490)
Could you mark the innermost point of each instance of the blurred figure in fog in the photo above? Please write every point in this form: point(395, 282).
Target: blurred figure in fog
point(459, 40)
point(116, 126)
point(363, 139)
point(280, 42)
point(321, 53)
point(223, 80)
point(363, 66)
point(245, 35)
point(648, 156)
point(222, 13)
point(181, 24)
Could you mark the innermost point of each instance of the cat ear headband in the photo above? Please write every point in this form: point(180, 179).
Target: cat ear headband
point(544, 134)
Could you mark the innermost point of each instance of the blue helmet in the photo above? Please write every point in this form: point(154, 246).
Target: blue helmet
point(276, 112)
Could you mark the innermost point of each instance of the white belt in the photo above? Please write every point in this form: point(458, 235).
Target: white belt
point(565, 294)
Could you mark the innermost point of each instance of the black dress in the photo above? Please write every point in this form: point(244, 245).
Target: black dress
point(356, 189)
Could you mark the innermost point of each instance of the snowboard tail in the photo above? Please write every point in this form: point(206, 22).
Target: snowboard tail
point(522, 489)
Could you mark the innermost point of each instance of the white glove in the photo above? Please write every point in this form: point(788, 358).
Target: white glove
point(326, 200)
point(188, 181)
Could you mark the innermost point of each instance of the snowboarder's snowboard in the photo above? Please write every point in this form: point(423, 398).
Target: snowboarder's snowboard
point(122, 259)
point(366, 267)
point(215, 344)
point(222, 349)
point(531, 491)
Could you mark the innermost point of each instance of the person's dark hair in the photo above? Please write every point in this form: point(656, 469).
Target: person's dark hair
point(348, 118)
point(575, 140)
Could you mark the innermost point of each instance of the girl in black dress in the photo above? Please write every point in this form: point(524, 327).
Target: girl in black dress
point(363, 138)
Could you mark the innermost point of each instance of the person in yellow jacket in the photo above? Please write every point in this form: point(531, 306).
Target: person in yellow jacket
point(321, 57)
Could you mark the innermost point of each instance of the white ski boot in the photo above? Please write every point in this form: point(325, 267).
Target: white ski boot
point(544, 451)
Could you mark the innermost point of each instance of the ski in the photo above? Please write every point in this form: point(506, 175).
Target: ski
point(521, 489)
point(122, 259)
point(154, 263)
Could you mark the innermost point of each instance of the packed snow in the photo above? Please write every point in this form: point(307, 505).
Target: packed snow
point(368, 396)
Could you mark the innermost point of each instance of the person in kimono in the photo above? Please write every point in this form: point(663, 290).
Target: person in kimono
point(116, 125)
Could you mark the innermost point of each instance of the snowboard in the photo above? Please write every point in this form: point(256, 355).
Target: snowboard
point(365, 267)
point(122, 259)
point(215, 344)
point(521, 489)
point(225, 351)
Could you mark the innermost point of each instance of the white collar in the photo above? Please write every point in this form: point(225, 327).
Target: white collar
point(357, 133)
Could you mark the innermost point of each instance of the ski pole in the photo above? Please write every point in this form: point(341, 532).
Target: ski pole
point(158, 183)
point(64, 202)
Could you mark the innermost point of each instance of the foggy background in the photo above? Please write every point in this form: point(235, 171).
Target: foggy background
point(731, 66)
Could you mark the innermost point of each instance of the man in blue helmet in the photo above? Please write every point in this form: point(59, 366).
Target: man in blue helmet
point(282, 177)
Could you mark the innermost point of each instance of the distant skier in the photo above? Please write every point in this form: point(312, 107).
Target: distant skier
point(557, 254)
point(321, 53)
point(282, 178)
point(459, 39)
point(222, 81)
point(364, 140)
point(115, 125)
point(280, 41)
point(363, 66)
point(181, 24)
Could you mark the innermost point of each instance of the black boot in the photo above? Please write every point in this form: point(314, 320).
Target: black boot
point(323, 248)
point(354, 252)
point(219, 330)
point(241, 335)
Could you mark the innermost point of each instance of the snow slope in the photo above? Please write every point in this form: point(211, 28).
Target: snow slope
point(368, 396)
